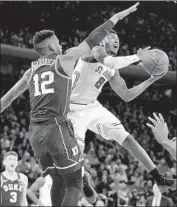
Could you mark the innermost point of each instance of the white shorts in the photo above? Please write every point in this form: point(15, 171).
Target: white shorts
point(98, 119)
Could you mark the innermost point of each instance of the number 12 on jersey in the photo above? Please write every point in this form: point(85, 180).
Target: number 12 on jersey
point(41, 89)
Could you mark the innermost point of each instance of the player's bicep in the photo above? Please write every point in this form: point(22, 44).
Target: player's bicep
point(118, 84)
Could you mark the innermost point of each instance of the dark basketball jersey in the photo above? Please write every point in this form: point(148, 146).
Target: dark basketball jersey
point(11, 191)
point(49, 89)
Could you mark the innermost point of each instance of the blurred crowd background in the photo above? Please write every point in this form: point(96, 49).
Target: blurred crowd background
point(117, 177)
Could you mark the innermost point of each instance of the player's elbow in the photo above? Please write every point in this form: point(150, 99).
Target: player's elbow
point(124, 97)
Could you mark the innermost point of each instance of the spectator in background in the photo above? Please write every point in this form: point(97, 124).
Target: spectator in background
point(158, 199)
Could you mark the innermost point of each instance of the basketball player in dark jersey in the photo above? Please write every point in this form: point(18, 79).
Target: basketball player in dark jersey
point(13, 184)
point(51, 133)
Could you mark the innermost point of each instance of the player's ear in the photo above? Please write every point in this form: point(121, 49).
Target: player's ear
point(102, 44)
point(51, 46)
point(3, 163)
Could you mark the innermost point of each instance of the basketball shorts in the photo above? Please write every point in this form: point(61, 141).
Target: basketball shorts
point(98, 119)
point(55, 146)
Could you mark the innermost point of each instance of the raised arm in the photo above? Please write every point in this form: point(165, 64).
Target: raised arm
point(33, 190)
point(118, 84)
point(160, 131)
point(67, 61)
point(20, 87)
point(100, 54)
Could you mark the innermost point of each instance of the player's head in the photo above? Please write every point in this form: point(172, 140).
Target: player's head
point(10, 161)
point(46, 41)
point(111, 43)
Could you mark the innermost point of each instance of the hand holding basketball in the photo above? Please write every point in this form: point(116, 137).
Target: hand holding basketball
point(155, 62)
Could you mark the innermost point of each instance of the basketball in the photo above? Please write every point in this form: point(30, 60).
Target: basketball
point(156, 62)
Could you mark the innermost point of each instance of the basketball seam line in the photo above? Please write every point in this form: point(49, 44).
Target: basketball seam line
point(156, 63)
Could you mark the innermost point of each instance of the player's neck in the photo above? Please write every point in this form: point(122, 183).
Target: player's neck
point(45, 53)
point(10, 174)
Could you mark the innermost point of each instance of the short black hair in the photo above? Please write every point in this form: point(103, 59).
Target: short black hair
point(42, 35)
point(10, 153)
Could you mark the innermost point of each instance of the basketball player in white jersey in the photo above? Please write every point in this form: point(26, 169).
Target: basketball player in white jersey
point(13, 184)
point(160, 131)
point(89, 76)
point(43, 185)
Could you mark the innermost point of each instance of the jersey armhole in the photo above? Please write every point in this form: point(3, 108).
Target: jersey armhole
point(59, 70)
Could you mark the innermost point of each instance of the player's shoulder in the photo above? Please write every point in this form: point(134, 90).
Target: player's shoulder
point(27, 74)
point(23, 177)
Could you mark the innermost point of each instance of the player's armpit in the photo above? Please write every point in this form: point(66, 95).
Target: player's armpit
point(20, 87)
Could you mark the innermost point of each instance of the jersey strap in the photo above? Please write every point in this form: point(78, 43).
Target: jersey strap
point(58, 68)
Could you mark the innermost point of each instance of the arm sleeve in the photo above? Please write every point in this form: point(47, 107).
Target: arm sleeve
point(99, 34)
point(120, 62)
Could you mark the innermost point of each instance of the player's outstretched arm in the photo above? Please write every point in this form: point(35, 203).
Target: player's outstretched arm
point(20, 87)
point(100, 54)
point(160, 131)
point(31, 193)
point(92, 40)
point(118, 84)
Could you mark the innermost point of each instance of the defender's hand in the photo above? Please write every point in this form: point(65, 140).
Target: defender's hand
point(159, 128)
point(126, 12)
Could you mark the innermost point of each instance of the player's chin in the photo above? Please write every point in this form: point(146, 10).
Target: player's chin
point(114, 52)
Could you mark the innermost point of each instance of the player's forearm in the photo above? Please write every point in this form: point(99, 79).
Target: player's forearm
point(170, 147)
point(33, 197)
point(24, 202)
point(6, 101)
point(99, 33)
point(120, 62)
point(9, 97)
point(137, 90)
point(13, 93)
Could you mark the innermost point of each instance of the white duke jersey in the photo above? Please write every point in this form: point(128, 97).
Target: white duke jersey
point(44, 192)
point(88, 81)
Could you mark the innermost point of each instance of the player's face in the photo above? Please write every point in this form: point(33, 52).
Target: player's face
point(11, 162)
point(112, 44)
